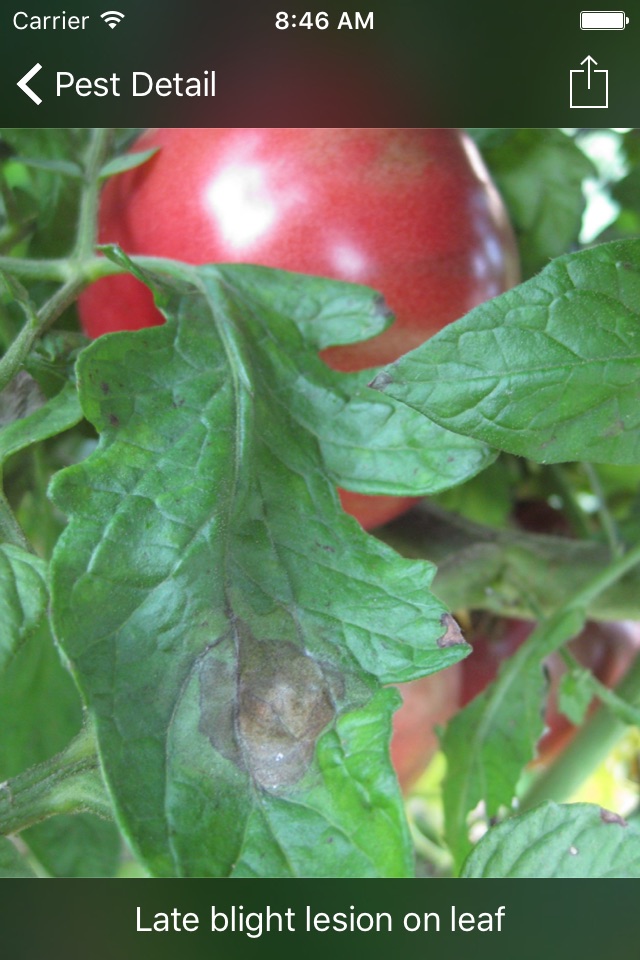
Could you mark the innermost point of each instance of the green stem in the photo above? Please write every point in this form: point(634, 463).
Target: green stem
point(610, 575)
point(72, 273)
point(609, 525)
point(35, 326)
point(87, 230)
point(70, 782)
point(55, 271)
point(572, 509)
point(588, 749)
point(596, 738)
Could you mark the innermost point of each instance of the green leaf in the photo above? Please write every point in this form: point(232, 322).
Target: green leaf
point(370, 443)
point(40, 711)
point(510, 572)
point(488, 744)
point(549, 370)
point(579, 687)
point(23, 599)
point(65, 168)
point(556, 841)
point(575, 693)
point(80, 845)
point(245, 622)
point(126, 162)
point(52, 155)
point(52, 359)
point(540, 175)
point(55, 416)
point(12, 864)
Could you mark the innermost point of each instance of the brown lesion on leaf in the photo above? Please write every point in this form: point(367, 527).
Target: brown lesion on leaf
point(284, 704)
point(608, 816)
point(381, 308)
point(615, 428)
point(266, 711)
point(382, 380)
point(114, 420)
point(452, 635)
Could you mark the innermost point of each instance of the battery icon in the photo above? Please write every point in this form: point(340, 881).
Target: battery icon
point(603, 20)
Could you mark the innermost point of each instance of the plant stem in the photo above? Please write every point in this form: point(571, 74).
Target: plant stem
point(36, 324)
point(72, 273)
point(608, 523)
point(596, 738)
point(87, 230)
point(70, 782)
point(575, 515)
point(588, 749)
point(611, 574)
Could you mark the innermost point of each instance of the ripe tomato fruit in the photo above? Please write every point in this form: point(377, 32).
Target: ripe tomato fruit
point(409, 212)
point(607, 649)
point(426, 703)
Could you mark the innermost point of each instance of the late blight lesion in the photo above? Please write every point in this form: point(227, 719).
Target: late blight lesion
point(265, 710)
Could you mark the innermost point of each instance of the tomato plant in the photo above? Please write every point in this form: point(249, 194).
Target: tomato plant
point(605, 649)
point(411, 213)
point(201, 654)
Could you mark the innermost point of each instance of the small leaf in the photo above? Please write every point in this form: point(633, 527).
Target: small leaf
point(549, 370)
point(558, 842)
point(126, 161)
point(66, 168)
point(52, 182)
point(540, 174)
point(575, 693)
point(580, 686)
point(55, 416)
point(23, 599)
point(246, 622)
point(488, 744)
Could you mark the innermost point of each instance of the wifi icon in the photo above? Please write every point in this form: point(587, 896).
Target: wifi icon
point(112, 17)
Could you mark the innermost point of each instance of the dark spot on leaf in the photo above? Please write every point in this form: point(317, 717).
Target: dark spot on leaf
point(105, 387)
point(382, 380)
point(614, 429)
point(381, 308)
point(453, 633)
point(325, 546)
point(608, 816)
point(626, 265)
point(114, 420)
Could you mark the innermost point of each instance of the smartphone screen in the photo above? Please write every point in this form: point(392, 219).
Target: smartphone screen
point(319, 443)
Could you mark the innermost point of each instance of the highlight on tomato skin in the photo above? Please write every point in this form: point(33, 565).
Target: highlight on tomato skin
point(412, 213)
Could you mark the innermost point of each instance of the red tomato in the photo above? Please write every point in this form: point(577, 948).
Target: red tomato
point(607, 649)
point(409, 212)
point(426, 703)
